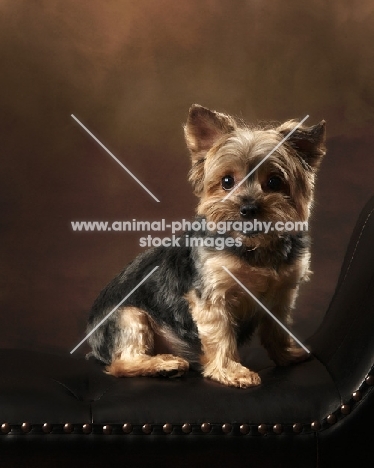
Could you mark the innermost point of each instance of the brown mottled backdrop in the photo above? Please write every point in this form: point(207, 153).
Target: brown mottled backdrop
point(130, 70)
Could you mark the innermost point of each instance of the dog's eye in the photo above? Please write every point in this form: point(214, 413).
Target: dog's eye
point(274, 183)
point(228, 182)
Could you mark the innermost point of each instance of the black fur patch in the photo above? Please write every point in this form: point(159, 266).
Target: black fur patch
point(161, 296)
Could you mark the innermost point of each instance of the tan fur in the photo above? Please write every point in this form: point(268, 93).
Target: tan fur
point(134, 350)
point(225, 303)
point(229, 150)
point(148, 366)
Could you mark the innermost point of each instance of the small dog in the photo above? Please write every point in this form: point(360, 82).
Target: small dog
point(190, 301)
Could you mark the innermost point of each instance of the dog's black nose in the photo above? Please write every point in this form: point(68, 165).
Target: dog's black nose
point(248, 210)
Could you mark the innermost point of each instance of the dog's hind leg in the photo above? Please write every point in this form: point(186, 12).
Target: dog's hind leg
point(134, 347)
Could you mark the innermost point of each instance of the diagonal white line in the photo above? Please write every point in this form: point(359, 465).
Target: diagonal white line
point(265, 158)
point(116, 307)
point(266, 309)
point(116, 159)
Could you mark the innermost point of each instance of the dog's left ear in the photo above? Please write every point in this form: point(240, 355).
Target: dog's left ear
point(309, 142)
point(203, 128)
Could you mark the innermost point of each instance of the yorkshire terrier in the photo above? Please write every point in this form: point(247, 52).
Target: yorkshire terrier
point(191, 302)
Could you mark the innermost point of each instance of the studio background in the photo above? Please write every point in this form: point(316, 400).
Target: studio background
point(129, 70)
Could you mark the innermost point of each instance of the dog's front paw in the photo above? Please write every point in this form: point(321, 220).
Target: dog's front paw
point(235, 375)
point(292, 355)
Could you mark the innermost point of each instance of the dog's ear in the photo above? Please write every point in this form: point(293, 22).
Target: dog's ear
point(203, 128)
point(309, 142)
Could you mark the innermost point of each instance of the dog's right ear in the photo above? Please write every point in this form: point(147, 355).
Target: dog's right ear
point(203, 128)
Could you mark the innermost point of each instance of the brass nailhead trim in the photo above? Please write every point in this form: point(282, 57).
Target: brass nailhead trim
point(370, 380)
point(86, 428)
point(147, 428)
point(26, 427)
point(226, 428)
point(107, 429)
point(316, 425)
point(277, 428)
point(206, 427)
point(262, 429)
point(127, 428)
point(47, 428)
point(297, 428)
point(167, 428)
point(186, 428)
point(244, 428)
point(68, 428)
point(5, 428)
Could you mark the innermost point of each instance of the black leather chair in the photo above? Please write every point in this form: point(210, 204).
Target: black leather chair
point(63, 411)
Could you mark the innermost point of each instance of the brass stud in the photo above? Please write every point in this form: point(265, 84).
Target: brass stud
point(244, 428)
point(86, 428)
point(316, 425)
point(262, 429)
point(47, 428)
point(186, 428)
point(277, 428)
point(167, 428)
point(226, 428)
point(357, 395)
point(5, 428)
point(345, 409)
point(147, 428)
point(26, 427)
point(297, 428)
point(370, 380)
point(107, 430)
point(68, 428)
point(206, 427)
point(127, 428)
point(331, 419)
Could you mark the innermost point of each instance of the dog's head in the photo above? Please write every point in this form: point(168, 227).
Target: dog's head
point(241, 173)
